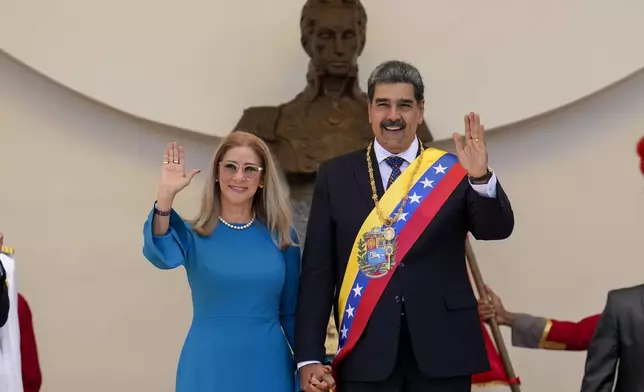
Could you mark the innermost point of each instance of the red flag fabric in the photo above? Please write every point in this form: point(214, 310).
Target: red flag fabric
point(496, 375)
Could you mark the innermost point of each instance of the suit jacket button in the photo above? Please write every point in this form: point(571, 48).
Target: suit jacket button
point(402, 265)
point(397, 298)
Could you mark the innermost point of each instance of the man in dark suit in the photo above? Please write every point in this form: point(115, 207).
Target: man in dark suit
point(618, 338)
point(618, 342)
point(416, 327)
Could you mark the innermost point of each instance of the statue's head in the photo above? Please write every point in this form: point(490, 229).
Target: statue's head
point(334, 35)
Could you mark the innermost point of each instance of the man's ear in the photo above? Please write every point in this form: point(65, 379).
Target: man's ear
point(305, 45)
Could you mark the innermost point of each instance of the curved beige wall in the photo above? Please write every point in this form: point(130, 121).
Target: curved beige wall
point(78, 180)
point(197, 64)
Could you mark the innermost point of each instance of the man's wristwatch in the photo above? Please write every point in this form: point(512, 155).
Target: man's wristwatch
point(484, 179)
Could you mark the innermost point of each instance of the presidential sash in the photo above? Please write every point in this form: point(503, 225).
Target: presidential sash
point(373, 258)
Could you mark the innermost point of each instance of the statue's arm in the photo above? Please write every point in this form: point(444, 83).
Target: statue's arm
point(260, 121)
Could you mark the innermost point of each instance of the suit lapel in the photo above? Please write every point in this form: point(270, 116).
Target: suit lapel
point(361, 175)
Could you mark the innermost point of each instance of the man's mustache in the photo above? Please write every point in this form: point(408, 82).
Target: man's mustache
point(400, 123)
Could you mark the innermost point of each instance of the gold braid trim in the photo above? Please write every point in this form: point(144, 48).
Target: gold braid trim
point(489, 384)
point(9, 251)
point(545, 344)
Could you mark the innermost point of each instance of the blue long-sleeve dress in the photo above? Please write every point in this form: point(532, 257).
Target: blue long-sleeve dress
point(244, 291)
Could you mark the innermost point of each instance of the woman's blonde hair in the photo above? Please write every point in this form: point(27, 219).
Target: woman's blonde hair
point(271, 202)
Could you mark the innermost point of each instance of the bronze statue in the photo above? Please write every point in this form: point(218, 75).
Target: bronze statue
point(329, 118)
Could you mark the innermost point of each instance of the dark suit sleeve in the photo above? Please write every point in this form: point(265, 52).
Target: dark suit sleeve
point(4, 297)
point(317, 285)
point(489, 218)
point(603, 352)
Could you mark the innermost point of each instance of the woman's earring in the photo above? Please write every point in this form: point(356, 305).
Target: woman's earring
point(261, 185)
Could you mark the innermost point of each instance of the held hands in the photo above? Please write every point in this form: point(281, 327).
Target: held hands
point(472, 155)
point(173, 172)
point(316, 378)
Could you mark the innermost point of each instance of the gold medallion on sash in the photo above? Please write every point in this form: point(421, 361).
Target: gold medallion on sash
point(377, 248)
point(376, 253)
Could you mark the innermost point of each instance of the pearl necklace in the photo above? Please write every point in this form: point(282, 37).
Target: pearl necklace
point(238, 227)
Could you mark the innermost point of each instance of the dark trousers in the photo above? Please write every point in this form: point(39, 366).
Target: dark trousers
point(406, 377)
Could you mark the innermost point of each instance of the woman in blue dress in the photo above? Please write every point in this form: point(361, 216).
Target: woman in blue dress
point(242, 264)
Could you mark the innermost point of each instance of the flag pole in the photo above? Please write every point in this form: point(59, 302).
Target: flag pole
point(494, 326)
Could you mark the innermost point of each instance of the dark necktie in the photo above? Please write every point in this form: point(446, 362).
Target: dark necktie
point(395, 163)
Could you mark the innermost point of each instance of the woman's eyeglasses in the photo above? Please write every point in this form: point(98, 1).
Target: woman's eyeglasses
point(249, 171)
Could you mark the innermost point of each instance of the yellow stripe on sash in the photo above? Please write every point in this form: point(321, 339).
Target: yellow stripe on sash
point(390, 200)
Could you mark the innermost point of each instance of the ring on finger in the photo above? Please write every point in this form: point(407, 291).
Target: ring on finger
point(175, 161)
point(165, 161)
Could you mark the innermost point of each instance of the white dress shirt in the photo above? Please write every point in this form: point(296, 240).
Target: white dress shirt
point(485, 190)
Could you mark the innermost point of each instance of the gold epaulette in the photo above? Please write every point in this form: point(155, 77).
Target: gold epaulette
point(8, 250)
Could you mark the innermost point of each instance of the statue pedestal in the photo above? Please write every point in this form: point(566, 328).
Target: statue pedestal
point(301, 197)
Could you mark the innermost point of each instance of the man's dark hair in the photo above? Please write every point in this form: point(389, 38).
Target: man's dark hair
point(395, 71)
